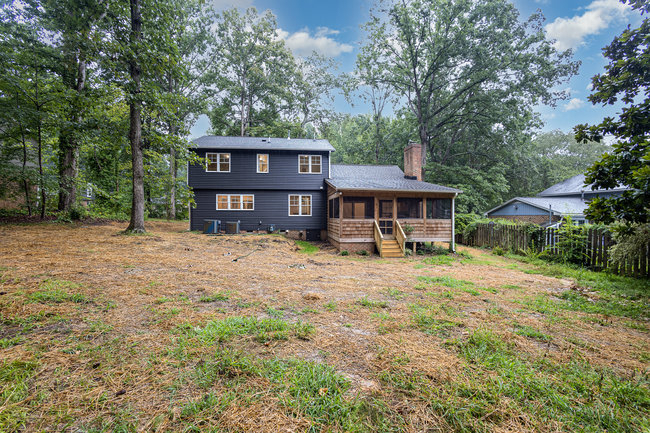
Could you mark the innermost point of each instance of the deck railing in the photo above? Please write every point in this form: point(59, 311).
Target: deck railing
point(379, 238)
point(400, 236)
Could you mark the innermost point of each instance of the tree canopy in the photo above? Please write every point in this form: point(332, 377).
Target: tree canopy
point(626, 79)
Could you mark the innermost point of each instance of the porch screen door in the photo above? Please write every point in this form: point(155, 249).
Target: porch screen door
point(386, 216)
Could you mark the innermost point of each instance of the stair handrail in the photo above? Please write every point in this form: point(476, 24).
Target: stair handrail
point(379, 237)
point(400, 236)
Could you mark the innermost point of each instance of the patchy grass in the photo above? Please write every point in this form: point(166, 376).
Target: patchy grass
point(57, 291)
point(446, 282)
point(218, 331)
point(147, 338)
point(306, 247)
point(370, 303)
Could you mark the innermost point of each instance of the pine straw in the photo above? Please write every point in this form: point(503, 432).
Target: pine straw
point(111, 354)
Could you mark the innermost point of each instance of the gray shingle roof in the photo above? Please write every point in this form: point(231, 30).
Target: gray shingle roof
point(559, 205)
point(381, 178)
point(572, 186)
point(262, 143)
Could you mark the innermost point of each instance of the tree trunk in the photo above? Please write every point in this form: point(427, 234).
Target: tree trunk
point(69, 146)
point(41, 180)
point(28, 202)
point(171, 214)
point(135, 129)
point(424, 140)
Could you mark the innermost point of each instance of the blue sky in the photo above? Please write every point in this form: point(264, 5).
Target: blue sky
point(332, 28)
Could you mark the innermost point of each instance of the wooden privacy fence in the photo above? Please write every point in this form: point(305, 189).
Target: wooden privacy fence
point(592, 245)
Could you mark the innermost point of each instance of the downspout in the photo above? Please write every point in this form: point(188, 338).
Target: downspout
point(550, 215)
point(452, 244)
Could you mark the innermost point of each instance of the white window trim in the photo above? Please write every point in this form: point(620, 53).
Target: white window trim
point(268, 163)
point(241, 201)
point(300, 196)
point(310, 157)
point(218, 170)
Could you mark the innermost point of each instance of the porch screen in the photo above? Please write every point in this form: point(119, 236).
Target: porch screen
point(439, 208)
point(358, 207)
point(334, 208)
point(409, 208)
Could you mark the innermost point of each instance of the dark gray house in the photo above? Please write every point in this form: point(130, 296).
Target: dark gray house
point(567, 198)
point(289, 184)
point(260, 182)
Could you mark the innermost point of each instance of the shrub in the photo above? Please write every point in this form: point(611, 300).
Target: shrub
point(362, 253)
point(498, 251)
point(345, 253)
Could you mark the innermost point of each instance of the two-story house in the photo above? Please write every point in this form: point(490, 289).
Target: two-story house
point(290, 185)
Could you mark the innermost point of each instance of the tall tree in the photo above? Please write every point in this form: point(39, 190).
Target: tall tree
point(257, 68)
point(452, 60)
point(626, 78)
point(74, 26)
point(136, 225)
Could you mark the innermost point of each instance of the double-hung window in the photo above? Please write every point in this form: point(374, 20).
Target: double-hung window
point(309, 164)
point(299, 205)
point(262, 163)
point(235, 202)
point(217, 162)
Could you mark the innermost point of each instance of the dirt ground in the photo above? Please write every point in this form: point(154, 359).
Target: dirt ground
point(109, 352)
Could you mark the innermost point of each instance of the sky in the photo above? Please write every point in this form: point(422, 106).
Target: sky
point(332, 28)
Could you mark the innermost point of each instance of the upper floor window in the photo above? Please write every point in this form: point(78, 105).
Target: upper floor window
point(235, 202)
point(309, 164)
point(262, 163)
point(299, 205)
point(217, 162)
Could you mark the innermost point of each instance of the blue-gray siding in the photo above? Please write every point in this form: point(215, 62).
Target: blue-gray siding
point(271, 207)
point(283, 172)
point(522, 209)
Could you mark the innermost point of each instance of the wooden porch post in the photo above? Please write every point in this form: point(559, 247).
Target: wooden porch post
point(340, 217)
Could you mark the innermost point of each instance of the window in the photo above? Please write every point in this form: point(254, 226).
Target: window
point(358, 207)
point(439, 208)
point(262, 163)
point(409, 208)
point(217, 162)
point(299, 205)
point(309, 164)
point(235, 202)
point(334, 208)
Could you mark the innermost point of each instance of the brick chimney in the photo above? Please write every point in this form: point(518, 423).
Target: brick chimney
point(413, 161)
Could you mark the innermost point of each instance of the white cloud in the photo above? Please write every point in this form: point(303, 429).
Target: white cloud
point(302, 43)
point(599, 14)
point(574, 104)
point(543, 2)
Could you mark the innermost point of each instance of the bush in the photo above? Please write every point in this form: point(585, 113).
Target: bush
point(362, 253)
point(630, 243)
point(78, 213)
point(498, 251)
point(345, 253)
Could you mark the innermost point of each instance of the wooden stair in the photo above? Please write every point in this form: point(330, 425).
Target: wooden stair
point(390, 248)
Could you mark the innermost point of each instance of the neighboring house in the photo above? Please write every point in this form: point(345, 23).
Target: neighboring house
point(290, 185)
point(568, 198)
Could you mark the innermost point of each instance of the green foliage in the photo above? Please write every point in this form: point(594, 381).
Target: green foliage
point(631, 243)
point(344, 253)
point(362, 252)
point(370, 303)
point(571, 243)
point(446, 282)
point(626, 80)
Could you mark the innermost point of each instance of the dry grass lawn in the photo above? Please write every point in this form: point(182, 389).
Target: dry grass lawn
point(179, 331)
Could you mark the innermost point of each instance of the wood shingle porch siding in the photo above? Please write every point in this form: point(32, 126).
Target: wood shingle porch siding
point(357, 228)
point(428, 229)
